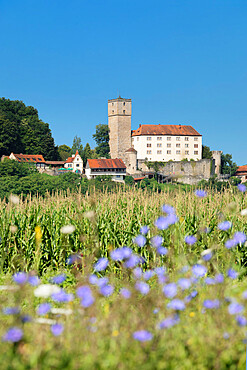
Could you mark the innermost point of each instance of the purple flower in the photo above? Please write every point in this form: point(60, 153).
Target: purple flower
point(11, 311)
point(142, 287)
point(102, 281)
point(160, 271)
point(226, 336)
point(142, 335)
point(209, 281)
point(156, 241)
point(132, 261)
point(148, 274)
point(93, 279)
point(172, 219)
point(101, 264)
point(59, 279)
point(161, 223)
point(125, 293)
point(137, 272)
point(62, 296)
point(57, 329)
point(191, 296)
point(206, 255)
point(169, 322)
point(239, 238)
point(140, 240)
point(162, 251)
point(184, 283)
point(230, 243)
point(43, 308)
point(235, 308)
point(144, 230)
point(87, 301)
point(127, 252)
point(73, 258)
point(118, 254)
point(210, 304)
point(232, 274)
point(190, 239)
point(84, 292)
point(170, 290)
point(26, 318)
point(176, 304)
point(241, 320)
point(224, 226)
point(20, 278)
point(199, 270)
point(107, 290)
point(166, 208)
point(13, 335)
point(219, 278)
point(156, 310)
point(244, 295)
point(33, 280)
point(200, 193)
point(242, 188)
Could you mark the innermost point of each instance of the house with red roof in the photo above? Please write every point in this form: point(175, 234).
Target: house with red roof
point(242, 173)
point(36, 159)
point(106, 167)
point(74, 163)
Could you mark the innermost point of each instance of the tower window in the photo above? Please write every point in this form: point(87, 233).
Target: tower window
point(124, 103)
point(112, 103)
point(113, 111)
point(123, 111)
point(149, 138)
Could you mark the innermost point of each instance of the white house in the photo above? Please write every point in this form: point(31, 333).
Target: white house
point(36, 159)
point(167, 142)
point(105, 167)
point(75, 163)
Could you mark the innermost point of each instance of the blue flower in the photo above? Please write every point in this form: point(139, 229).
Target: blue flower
point(43, 308)
point(160, 271)
point(209, 281)
point(137, 272)
point(156, 310)
point(93, 279)
point(176, 304)
point(26, 318)
point(219, 278)
point(20, 278)
point(191, 296)
point(184, 283)
point(101, 264)
point(244, 295)
point(166, 208)
point(211, 304)
point(57, 329)
point(118, 254)
point(207, 255)
point(170, 290)
point(148, 274)
point(62, 296)
point(156, 241)
point(242, 188)
point(162, 251)
point(226, 335)
point(235, 308)
point(59, 279)
point(200, 193)
point(190, 239)
point(144, 230)
point(230, 243)
point(73, 258)
point(13, 335)
point(142, 335)
point(241, 320)
point(142, 287)
point(125, 293)
point(102, 281)
point(84, 292)
point(132, 261)
point(87, 301)
point(224, 226)
point(162, 223)
point(140, 240)
point(169, 322)
point(11, 311)
point(33, 280)
point(107, 290)
point(199, 270)
point(127, 252)
point(232, 274)
point(239, 238)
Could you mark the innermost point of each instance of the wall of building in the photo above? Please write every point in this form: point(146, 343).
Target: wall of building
point(164, 148)
point(216, 154)
point(131, 162)
point(76, 165)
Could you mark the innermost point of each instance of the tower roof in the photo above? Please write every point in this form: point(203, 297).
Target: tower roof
point(119, 99)
point(130, 150)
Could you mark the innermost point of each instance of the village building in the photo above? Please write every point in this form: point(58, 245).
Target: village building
point(74, 163)
point(35, 159)
point(105, 167)
point(241, 173)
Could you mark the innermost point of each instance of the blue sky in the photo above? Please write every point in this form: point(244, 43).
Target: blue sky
point(179, 61)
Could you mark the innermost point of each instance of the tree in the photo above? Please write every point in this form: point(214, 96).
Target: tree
point(228, 167)
point(87, 153)
point(101, 137)
point(64, 151)
point(206, 152)
point(77, 145)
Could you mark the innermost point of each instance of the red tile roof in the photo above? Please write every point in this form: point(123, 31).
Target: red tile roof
point(58, 163)
point(69, 160)
point(30, 158)
point(178, 130)
point(241, 169)
point(106, 163)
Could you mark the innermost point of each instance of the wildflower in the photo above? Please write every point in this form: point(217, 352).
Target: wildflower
point(13, 335)
point(93, 279)
point(127, 252)
point(225, 225)
point(190, 239)
point(169, 322)
point(219, 278)
point(184, 283)
point(20, 278)
point(125, 293)
point(57, 329)
point(107, 290)
point(162, 223)
point(242, 188)
point(148, 274)
point(73, 258)
point(101, 264)
point(142, 287)
point(137, 272)
point(230, 243)
point(160, 271)
point(232, 274)
point(226, 336)
point(191, 296)
point(59, 279)
point(200, 193)
point(176, 304)
point(102, 281)
point(199, 270)
point(118, 254)
point(162, 251)
point(144, 230)
point(142, 335)
point(33, 280)
point(43, 308)
point(209, 281)
point(62, 296)
point(140, 240)
point(83, 291)
point(132, 261)
point(207, 255)
point(11, 311)
point(26, 318)
point(156, 241)
point(67, 229)
point(156, 310)
point(239, 238)
point(46, 290)
point(170, 290)
point(166, 208)
point(241, 320)
point(235, 308)
point(244, 212)
point(210, 304)
point(244, 295)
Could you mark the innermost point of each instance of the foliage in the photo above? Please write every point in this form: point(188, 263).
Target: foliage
point(129, 180)
point(77, 145)
point(64, 152)
point(21, 131)
point(206, 152)
point(228, 167)
point(101, 138)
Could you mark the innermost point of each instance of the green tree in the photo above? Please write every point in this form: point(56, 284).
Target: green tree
point(101, 137)
point(206, 152)
point(64, 152)
point(228, 167)
point(77, 145)
point(87, 153)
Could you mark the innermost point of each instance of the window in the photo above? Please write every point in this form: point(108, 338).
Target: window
point(169, 138)
point(177, 151)
point(169, 152)
point(178, 138)
point(77, 165)
point(195, 138)
point(177, 145)
point(113, 111)
point(149, 151)
point(123, 111)
point(187, 152)
point(124, 103)
point(186, 138)
point(149, 145)
point(118, 176)
point(195, 145)
point(159, 138)
point(186, 145)
point(137, 139)
point(112, 103)
point(196, 152)
point(159, 145)
point(169, 145)
point(149, 138)
point(159, 151)
point(78, 159)
point(69, 164)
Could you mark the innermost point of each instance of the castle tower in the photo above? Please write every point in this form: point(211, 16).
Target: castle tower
point(216, 154)
point(119, 122)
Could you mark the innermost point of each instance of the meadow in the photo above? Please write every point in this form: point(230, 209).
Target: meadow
point(127, 279)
